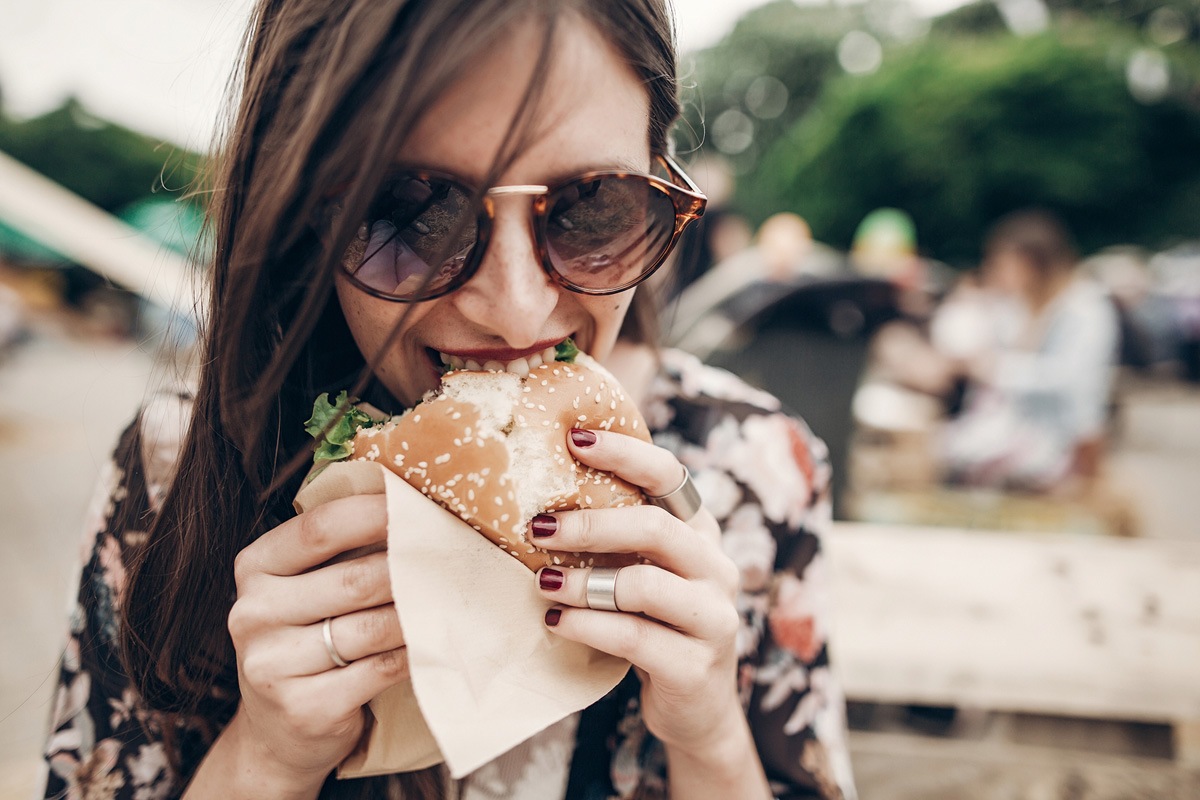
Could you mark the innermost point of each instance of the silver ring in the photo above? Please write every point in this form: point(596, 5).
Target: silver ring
point(683, 503)
point(327, 635)
point(602, 588)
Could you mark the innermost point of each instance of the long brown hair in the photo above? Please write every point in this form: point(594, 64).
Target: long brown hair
point(326, 92)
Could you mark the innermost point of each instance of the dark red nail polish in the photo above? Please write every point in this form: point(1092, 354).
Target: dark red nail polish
point(543, 525)
point(550, 579)
point(552, 616)
point(582, 438)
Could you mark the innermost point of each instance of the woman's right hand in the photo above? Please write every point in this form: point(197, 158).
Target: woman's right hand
point(300, 711)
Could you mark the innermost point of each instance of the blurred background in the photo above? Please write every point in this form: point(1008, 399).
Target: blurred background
point(962, 240)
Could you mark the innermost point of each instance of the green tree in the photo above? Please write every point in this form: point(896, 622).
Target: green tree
point(781, 41)
point(105, 163)
point(957, 132)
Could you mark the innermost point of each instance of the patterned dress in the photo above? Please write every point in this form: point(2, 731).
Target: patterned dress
point(761, 473)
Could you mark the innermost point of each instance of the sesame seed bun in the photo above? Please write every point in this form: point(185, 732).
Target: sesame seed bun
point(491, 448)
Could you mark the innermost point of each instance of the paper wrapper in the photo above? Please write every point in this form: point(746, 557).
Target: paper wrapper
point(486, 674)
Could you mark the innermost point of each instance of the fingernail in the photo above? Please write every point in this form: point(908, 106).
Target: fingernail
point(582, 438)
point(543, 525)
point(550, 579)
point(552, 616)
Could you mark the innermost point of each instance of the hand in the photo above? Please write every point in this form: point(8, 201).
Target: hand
point(678, 621)
point(300, 711)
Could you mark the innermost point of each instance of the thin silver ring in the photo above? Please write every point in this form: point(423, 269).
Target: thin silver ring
point(327, 635)
point(682, 503)
point(602, 588)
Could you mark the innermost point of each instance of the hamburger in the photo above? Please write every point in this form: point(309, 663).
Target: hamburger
point(490, 447)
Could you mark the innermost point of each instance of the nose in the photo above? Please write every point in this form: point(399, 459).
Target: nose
point(510, 295)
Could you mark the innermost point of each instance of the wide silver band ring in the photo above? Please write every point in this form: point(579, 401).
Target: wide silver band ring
point(683, 503)
point(327, 635)
point(602, 588)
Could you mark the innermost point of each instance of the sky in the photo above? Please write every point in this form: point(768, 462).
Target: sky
point(160, 65)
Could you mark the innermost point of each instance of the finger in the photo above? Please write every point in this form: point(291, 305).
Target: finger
point(314, 537)
point(331, 591)
point(647, 644)
point(647, 530)
point(363, 680)
point(355, 637)
point(697, 608)
point(656, 470)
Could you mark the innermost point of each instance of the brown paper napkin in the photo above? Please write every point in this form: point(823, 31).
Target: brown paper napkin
point(486, 674)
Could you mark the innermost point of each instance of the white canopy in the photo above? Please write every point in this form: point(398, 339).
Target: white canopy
point(58, 218)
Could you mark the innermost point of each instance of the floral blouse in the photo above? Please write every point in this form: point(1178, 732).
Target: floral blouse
point(760, 472)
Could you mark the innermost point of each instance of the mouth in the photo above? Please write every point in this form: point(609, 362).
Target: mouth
point(518, 362)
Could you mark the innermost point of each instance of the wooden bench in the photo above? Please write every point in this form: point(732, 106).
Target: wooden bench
point(1071, 625)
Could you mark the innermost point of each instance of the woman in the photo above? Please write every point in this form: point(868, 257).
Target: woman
point(197, 665)
point(1038, 400)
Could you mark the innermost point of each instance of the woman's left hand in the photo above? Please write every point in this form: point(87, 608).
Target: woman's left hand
point(677, 622)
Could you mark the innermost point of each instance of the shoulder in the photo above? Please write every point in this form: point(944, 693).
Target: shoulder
point(1086, 308)
point(737, 440)
point(162, 427)
point(686, 378)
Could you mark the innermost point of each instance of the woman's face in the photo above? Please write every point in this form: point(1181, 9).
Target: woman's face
point(594, 114)
point(1008, 271)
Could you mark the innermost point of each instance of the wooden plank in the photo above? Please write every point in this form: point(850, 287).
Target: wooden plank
point(1065, 624)
point(1187, 742)
point(892, 766)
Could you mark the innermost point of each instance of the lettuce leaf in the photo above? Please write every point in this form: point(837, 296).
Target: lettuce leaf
point(566, 351)
point(334, 425)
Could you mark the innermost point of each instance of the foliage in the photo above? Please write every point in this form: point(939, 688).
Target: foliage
point(105, 163)
point(794, 45)
point(959, 131)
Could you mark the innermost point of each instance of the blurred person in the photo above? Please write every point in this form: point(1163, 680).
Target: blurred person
point(930, 357)
point(406, 183)
point(885, 246)
point(1036, 407)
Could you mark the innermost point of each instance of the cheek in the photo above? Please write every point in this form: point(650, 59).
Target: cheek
point(370, 320)
point(355, 312)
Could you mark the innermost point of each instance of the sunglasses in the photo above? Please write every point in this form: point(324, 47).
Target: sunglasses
point(596, 234)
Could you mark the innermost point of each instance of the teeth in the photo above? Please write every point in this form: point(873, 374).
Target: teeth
point(520, 366)
point(548, 355)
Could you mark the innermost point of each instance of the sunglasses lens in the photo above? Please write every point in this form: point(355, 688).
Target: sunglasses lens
point(607, 233)
point(414, 223)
